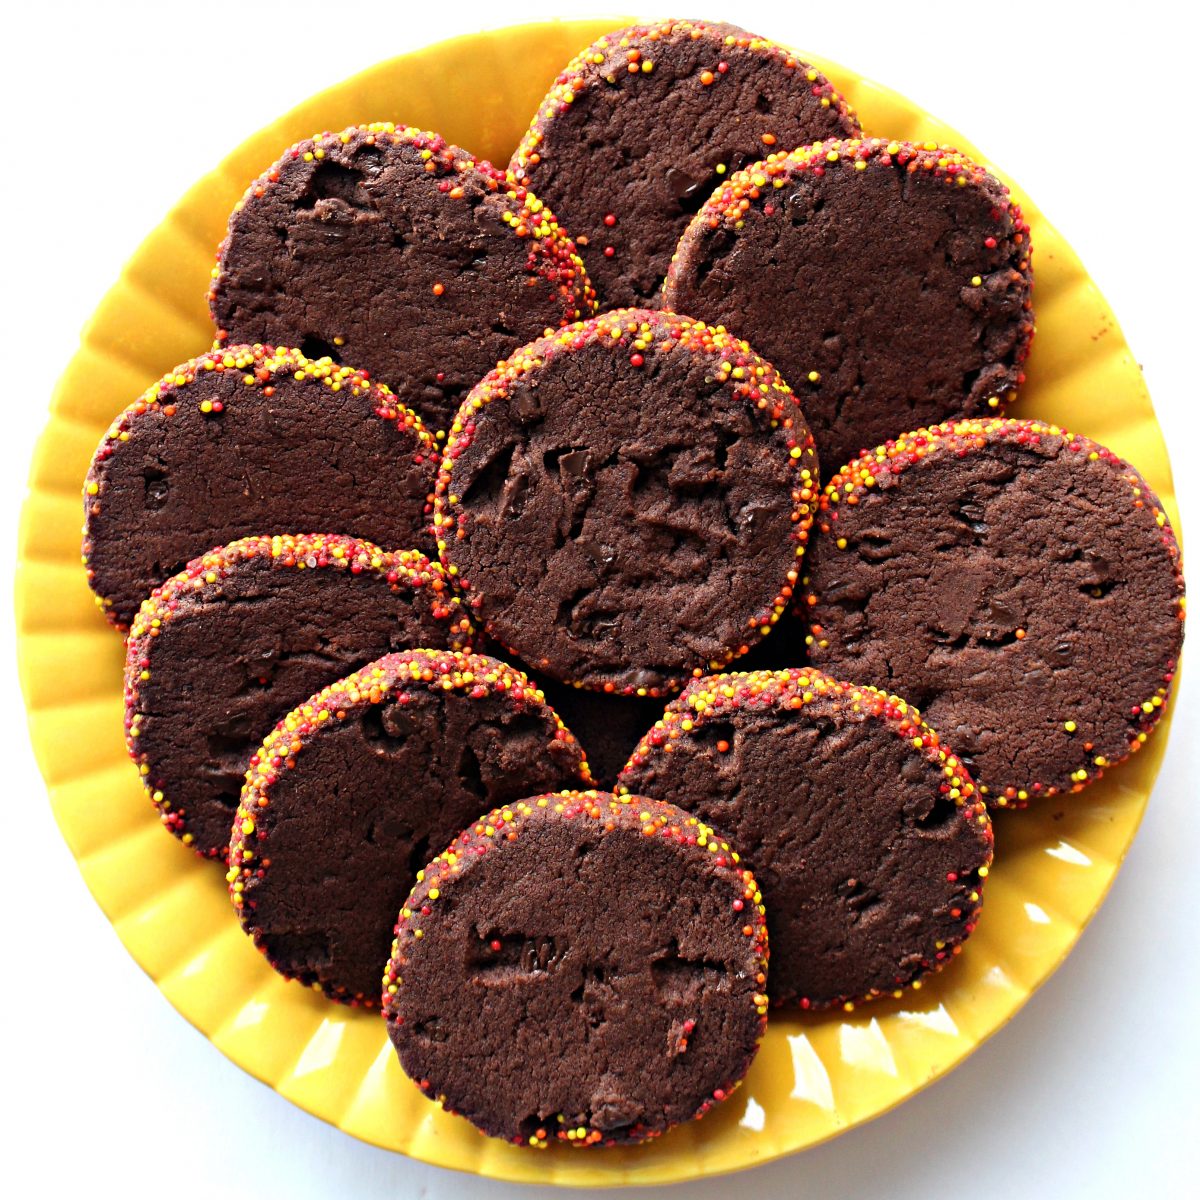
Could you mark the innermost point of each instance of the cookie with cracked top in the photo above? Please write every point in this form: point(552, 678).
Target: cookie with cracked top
point(889, 283)
point(539, 1026)
point(355, 789)
point(864, 831)
point(643, 124)
point(246, 441)
point(625, 501)
point(389, 248)
point(1018, 582)
point(221, 651)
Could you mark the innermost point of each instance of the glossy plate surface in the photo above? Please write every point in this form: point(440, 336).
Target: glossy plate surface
point(816, 1076)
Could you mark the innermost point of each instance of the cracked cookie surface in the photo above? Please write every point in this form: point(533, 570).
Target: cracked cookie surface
point(625, 502)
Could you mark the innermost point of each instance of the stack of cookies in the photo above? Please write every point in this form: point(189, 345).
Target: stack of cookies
point(559, 584)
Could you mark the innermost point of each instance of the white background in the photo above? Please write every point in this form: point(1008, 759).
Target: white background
point(111, 111)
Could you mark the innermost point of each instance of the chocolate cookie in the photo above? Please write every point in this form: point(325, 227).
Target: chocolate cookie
point(354, 790)
point(625, 501)
point(580, 968)
point(389, 248)
point(607, 724)
point(245, 441)
point(866, 834)
point(889, 283)
point(220, 652)
point(1019, 583)
point(641, 126)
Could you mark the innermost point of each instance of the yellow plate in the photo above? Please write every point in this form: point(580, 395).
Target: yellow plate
point(815, 1076)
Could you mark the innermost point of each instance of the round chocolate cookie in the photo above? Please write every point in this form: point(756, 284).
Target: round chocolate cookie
point(1019, 583)
point(219, 653)
point(245, 440)
point(641, 126)
point(866, 834)
point(625, 501)
point(607, 724)
point(353, 791)
point(580, 968)
point(389, 248)
point(889, 283)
